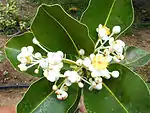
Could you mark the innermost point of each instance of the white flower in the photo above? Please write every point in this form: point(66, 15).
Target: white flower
point(26, 55)
point(52, 75)
point(98, 79)
point(55, 58)
point(87, 62)
point(35, 41)
point(23, 67)
point(100, 73)
point(116, 29)
point(105, 38)
point(72, 76)
point(92, 56)
point(94, 85)
point(98, 86)
point(44, 63)
point(61, 94)
point(115, 74)
point(81, 52)
point(116, 46)
point(118, 58)
point(103, 31)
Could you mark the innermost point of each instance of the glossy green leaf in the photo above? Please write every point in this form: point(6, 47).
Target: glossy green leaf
point(135, 57)
point(13, 48)
point(41, 99)
point(148, 85)
point(102, 101)
point(130, 90)
point(109, 13)
point(56, 30)
point(126, 94)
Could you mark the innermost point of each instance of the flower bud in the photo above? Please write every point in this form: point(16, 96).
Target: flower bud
point(116, 29)
point(115, 74)
point(81, 52)
point(35, 41)
point(22, 67)
point(54, 87)
point(36, 71)
point(80, 84)
point(79, 62)
point(38, 55)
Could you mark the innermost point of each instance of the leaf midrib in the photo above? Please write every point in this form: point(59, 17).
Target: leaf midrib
point(107, 88)
point(61, 27)
point(138, 59)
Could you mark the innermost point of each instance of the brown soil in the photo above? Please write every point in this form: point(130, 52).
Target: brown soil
point(13, 77)
point(140, 38)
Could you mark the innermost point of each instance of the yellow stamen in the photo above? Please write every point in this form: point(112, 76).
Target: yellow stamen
point(107, 30)
point(100, 62)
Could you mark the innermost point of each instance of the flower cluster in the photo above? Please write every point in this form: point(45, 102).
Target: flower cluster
point(90, 69)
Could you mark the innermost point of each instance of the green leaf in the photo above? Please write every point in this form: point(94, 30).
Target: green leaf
point(41, 99)
point(102, 101)
point(130, 90)
point(135, 57)
point(148, 84)
point(56, 30)
point(126, 94)
point(13, 48)
point(109, 13)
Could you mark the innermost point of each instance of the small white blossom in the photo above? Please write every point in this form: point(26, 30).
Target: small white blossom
point(61, 94)
point(98, 86)
point(100, 73)
point(22, 67)
point(98, 80)
point(103, 32)
point(87, 62)
point(94, 85)
point(116, 29)
point(44, 63)
point(26, 55)
point(55, 58)
point(118, 58)
point(115, 74)
point(81, 52)
point(116, 46)
point(72, 76)
point(52, 75)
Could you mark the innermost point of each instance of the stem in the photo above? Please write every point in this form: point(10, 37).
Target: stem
point(69, 61)
point(99, 48)
point(97, 43)
point(85, 81)
point(32, 65)
point(42, 48)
